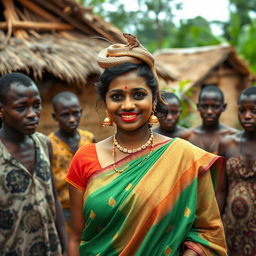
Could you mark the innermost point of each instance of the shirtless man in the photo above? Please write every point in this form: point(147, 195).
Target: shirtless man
point(211, 104)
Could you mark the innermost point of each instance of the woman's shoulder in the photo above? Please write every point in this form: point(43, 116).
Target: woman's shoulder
point(87, 151)
point(86, 157)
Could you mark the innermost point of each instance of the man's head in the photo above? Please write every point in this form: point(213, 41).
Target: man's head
point(247, 109)
point(67, 111)
point(211, 104)
point(20, 103)
point(172, 110)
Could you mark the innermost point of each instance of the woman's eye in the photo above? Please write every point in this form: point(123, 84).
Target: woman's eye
point(139, 95)
point(116, 97)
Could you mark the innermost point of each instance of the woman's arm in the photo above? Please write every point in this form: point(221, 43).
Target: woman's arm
point(78, 221)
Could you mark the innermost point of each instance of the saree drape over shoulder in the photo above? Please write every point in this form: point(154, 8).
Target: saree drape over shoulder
point(157, 206)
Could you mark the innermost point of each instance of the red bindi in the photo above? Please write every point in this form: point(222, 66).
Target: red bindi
point(125, 87)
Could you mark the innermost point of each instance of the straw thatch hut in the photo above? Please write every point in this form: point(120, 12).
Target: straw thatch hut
point(56, 43)
point(216, 65)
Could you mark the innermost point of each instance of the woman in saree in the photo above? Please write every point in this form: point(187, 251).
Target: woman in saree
point(139, 192)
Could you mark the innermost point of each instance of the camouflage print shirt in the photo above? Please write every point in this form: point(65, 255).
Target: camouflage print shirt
point(27, 208)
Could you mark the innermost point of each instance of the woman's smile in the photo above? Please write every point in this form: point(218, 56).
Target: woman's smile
point(129, 117)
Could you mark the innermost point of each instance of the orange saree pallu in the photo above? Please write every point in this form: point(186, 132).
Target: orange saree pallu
point(158, 205)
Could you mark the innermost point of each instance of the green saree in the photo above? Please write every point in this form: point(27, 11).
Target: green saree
point(157, 206)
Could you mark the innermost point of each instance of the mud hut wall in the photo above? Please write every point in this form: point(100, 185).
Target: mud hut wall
point(92, 116)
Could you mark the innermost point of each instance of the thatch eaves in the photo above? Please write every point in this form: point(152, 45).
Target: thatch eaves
point(56, 36)
point(195, 64)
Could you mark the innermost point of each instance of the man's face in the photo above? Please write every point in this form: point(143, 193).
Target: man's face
point(247, 112)
point(67, 114)
point(169, 122)
point(22, 107)
point(210, 107)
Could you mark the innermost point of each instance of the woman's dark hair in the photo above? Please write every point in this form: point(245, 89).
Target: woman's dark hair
point(110, 74)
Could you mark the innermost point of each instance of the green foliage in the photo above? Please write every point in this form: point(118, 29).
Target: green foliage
point(194, 32)
point(246, 43)
point(153, 22)
point(187, 104)
point(245, 9)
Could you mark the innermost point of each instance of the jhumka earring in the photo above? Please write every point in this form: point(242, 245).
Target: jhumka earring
point(107, 122)
point(153, 119)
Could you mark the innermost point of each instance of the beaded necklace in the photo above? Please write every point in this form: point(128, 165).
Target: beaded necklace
point(129, 151)
point(150, 143)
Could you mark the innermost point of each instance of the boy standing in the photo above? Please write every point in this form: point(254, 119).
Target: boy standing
point(65, 142)
point(31, 220)
point(238, 198)
point(207, 135)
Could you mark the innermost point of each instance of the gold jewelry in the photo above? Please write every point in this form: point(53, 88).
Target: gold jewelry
point(107, 122)
point(153, 119)
point(126, 167)
point(114, 163)
point(129, 151)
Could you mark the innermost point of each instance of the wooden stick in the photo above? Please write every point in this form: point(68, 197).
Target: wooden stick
point(73, 21)
point(42, 26)
point(11, 17)
point(39, 11)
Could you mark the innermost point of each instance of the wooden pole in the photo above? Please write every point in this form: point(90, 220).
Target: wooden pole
point(41, 26)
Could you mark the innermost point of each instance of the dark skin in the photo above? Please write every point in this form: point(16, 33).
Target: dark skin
point(168, 125)
point(68, 113)
point(242, 143)
point(20, 115)
point(208, 134)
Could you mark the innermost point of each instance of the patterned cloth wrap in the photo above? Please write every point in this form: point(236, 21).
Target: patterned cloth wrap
point(27, 205)
point(155, 207)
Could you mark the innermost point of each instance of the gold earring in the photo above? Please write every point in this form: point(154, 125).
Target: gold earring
point(107, 122)
point(153, 119)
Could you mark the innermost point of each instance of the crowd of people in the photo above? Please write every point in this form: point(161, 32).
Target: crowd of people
point(151, 191)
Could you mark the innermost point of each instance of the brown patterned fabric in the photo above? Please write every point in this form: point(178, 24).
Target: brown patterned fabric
point(27, 206)
point(239, 218)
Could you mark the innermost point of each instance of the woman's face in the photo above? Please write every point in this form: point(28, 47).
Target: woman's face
point(129, 101)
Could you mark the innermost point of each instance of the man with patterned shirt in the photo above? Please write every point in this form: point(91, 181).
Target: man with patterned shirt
point(65, 142)
point(31, 220)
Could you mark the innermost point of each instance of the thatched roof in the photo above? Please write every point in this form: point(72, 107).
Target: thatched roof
point(195, 64)
point(57, 36)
